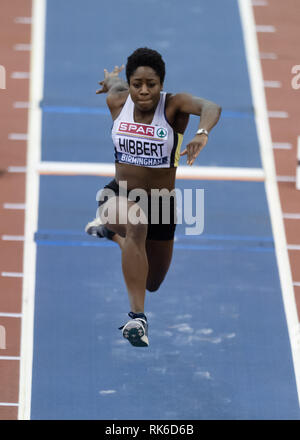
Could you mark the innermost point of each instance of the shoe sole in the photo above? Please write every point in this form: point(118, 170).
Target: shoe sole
point(135, 334)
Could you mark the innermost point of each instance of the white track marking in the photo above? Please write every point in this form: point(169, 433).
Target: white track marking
point(282, 146)
point(12, 237)
point(20, 75)
point(8, 404)
point(32, 197)
point(23, 20)
point(10, 315)
point(21, 104)
point(18, 136)
point(265, 141)
point(278, 114)
point(265, 28)
point(286, 179)
point(183, 172)
point(273, 84)
point(292, 215)
point(9, 358)
point(12, 274)
point(259, 3)
point(22, 47)
point(13, 169)
point(20, 206)
point(298, 164)
point(268, 56)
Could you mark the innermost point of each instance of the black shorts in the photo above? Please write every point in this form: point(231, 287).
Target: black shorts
point(156, 231)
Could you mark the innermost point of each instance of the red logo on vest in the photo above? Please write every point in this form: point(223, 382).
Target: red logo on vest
point(132, 128)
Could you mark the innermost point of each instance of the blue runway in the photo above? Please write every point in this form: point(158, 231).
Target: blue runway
point(219, 345)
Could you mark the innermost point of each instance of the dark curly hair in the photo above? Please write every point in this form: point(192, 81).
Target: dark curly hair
point(145, 57)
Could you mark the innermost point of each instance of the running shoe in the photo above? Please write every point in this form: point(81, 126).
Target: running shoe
point(97, 229)
point(136, 330)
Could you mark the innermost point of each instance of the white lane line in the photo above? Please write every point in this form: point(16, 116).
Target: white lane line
point(183, 172)
point(268, 56)
point(16, 169)
point(291, 216)
point(286, 179)
point(20, 75)
point(32, 198)
point(293, 247)
point(23, 20)
point(259, 3)
point(10, 315)
point(10, 358)
point(18, 136)
point(278, 114)
point(267, 154)
point(220, 173)
point(265, 28)
point(12, 237)
point(273, 84)
point(8, 404)
point(22, 47)
point(21, 104)
point(282, 146)
point(297, 283)
point(2, 77)
point(298, 164)
point(12, 274)
point(20, 206)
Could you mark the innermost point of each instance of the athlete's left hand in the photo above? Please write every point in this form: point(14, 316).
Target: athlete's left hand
point(194, 147)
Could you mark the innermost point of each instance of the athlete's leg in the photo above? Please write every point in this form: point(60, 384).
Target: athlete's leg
point(131, 239)
point(159, 259)
point(118, 239)
point(135, 266)
point(159, 254)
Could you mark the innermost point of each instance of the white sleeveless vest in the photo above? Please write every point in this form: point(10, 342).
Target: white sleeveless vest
point(153, 146)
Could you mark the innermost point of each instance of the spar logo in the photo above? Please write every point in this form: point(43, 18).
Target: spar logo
point(136, 129)
point(161, 132)
point(143, 130)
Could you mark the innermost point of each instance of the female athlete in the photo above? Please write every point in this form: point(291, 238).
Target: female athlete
point(148, 128)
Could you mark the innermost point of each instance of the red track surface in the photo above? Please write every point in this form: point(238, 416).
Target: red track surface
point(12, 190)
point(284, 42)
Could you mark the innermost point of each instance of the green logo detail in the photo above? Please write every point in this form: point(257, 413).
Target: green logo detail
point(161, 132)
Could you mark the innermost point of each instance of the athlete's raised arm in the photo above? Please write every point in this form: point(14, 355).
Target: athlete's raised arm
point(209, 113)
point(116, 89)
point(112, 83)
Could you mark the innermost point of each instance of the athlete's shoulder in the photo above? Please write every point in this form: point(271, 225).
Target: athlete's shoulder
point(176, 99)
point(176, 102)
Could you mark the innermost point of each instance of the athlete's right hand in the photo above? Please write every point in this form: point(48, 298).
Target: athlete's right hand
point(108, 76)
